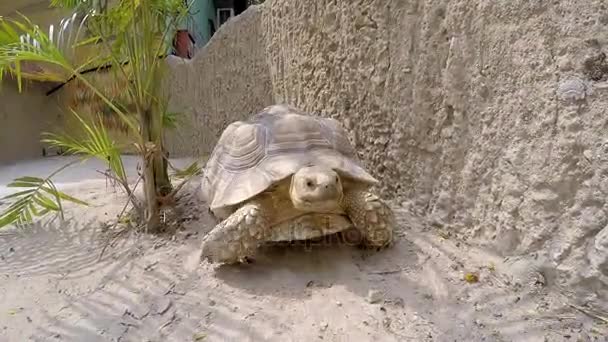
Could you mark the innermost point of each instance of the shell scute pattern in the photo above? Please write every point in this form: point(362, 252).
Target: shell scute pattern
point(252, 155)
point(245, 147)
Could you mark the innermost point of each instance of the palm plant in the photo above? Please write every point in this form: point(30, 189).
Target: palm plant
point(131, 36)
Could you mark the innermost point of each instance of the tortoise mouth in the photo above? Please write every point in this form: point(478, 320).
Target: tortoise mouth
point(327, 206)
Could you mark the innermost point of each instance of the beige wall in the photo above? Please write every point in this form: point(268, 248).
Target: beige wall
point(228, 80)
point(462, 107)
point(23, 118)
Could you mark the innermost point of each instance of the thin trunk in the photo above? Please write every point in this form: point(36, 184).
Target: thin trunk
point(156, 177)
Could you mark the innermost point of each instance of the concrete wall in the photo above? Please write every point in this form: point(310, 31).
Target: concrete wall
point(227, 80)
point(23, 118)
point(480, 113)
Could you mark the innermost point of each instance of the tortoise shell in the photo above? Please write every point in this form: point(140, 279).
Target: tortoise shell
point(252, 155)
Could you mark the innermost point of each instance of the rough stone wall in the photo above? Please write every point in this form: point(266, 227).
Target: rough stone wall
point(487, 115)
point(227, 80)
point(23, 118)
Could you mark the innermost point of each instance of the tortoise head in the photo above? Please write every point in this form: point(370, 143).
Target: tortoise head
point(316, 189)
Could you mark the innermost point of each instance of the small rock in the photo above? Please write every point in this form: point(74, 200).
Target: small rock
point(386, 322)
point(324, 326)
point(338, 303)
point(211, 302)
point(374, 296)
point(11, 250)
point(398, 302)
point(573, 89)
point(29, 320)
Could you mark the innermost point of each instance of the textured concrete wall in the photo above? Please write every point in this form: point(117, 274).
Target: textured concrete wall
point(227, 80)
point(485, 114)
point(23, 118)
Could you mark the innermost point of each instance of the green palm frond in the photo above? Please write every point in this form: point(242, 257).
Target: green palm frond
point(81, 5)
point(129, 36)
point(96, 144)
point(40, 49)
point(171, 119)
point(190, 171)
point(40, 198)
point(15, 49)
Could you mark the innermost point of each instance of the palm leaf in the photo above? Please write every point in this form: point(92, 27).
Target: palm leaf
point(96, 144)
point(171, 119)
point(40, 198)
point(40, 49)
point(192, 170)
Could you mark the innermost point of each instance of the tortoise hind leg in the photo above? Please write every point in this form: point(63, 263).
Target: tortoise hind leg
point(236, 238)
point(371, 216)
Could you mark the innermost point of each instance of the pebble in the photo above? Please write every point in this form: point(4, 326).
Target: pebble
point(374, 296)
point(324, 326)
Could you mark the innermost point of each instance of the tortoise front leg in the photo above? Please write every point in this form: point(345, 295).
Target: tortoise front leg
point(371, 216)
point(235, 238)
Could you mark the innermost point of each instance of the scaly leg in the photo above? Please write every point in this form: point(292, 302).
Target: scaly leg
point(235, 238)
point(371, 216)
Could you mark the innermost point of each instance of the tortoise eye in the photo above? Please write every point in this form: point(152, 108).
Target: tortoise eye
point(309, 183)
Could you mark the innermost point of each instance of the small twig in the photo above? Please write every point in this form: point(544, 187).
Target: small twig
point(589, 313)
point(179, 187)
point(111, 240)
point(130, 193)
point(170, 289)
point(150, 266)
point(386, 272)
point(168, 322)
point(127, 324)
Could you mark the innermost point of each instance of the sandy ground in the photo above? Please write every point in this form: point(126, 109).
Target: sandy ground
point(152, 288)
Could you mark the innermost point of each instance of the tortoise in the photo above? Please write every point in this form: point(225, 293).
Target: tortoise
point(286, 175)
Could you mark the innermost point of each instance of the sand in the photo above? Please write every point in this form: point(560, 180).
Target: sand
point(153, 288)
